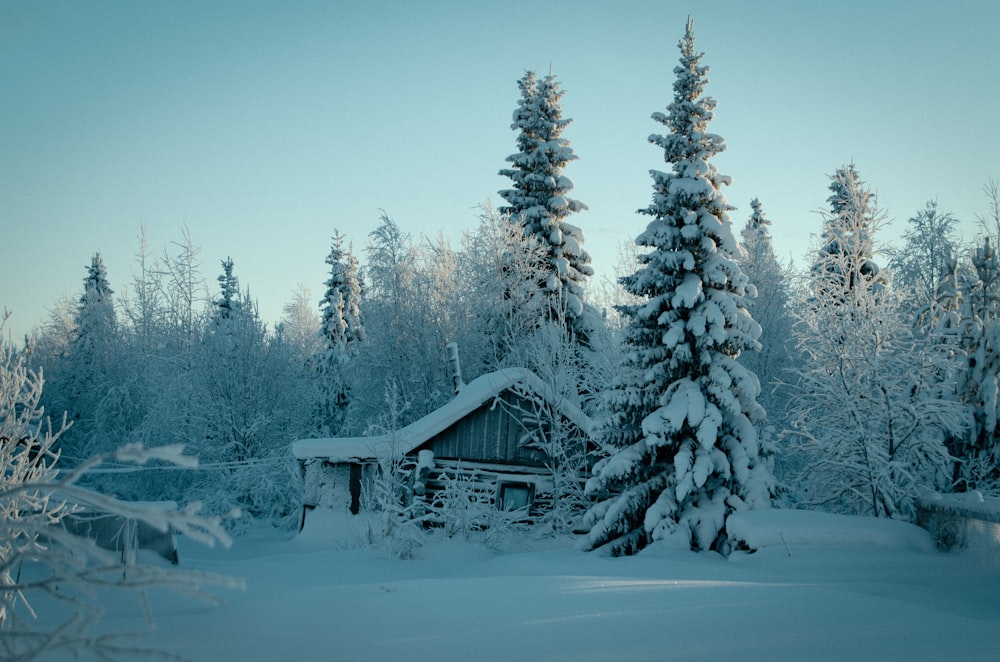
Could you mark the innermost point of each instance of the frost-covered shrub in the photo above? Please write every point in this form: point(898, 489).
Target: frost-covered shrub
point(264, 490)
point(394, 519)
point(869, 420)
point(465, 510)
point(49, 576)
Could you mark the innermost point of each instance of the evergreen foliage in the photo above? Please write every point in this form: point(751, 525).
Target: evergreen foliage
point(686, 453)
point(341, 332)
point(845, 261)
point(228, 305)
point(769, 305)
point(540, 198)
point(340, 308)
point(96, 321)
point(92, 362)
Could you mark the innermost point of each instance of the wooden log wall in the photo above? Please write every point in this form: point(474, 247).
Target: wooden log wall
point(484, 478)
point(490, 434)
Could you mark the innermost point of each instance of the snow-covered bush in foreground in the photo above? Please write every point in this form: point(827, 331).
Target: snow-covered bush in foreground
point(393, 518)
point(45, 566)
point(464, 510)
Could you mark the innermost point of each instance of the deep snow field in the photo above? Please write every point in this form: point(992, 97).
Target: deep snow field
point(820, 587)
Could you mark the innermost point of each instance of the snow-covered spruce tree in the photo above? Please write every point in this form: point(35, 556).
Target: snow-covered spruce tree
point(341, 332)
point(769, 306)
point(869, 428)
point(228, 304)
point(340, 308)
point(95, 321)
point(540, 198)
point(682, 412)
point(249, 401)
point(90, 362)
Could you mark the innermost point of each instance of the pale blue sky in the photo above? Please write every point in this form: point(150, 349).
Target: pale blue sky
point(264, 126)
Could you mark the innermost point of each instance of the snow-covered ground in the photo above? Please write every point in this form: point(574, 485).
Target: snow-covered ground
point(819, 588)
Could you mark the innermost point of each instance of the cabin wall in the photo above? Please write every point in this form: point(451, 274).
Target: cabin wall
point(493, 433)
point(484, 480)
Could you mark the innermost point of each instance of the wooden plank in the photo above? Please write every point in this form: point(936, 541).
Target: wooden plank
point(491, 466)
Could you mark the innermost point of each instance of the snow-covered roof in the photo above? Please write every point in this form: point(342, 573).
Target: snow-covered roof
point(471, 396)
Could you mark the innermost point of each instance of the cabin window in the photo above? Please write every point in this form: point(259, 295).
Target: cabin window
point(515, 495)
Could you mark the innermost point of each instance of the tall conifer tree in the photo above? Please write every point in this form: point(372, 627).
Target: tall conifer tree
point(540, 196)
point(682, 411)
point(91, 362)
point(341, 305)
point(845, 262)
point(228, 304)
point(341, 333)
point(95, 319)
point(769, 307)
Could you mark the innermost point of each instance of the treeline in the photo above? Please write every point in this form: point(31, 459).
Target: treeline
point(724, 380)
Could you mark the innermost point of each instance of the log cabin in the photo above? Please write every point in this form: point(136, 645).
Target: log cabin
point(494, 435)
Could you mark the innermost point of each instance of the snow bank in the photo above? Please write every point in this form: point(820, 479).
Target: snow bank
point(319, 596)
point(970, 504)
point(779, 527)
point(968, 521)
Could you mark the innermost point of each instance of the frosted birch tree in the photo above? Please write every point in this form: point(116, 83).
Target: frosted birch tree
point(869, 428)
point(407, 325)
point(300, 326)
point(499, 265)
point(930, 250)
